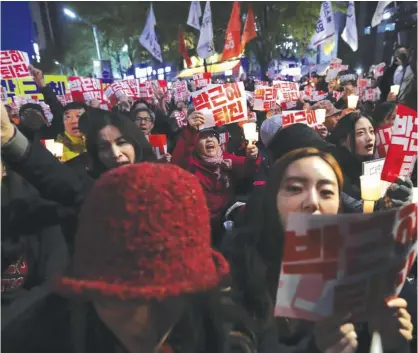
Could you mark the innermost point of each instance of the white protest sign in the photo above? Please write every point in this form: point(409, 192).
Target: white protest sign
point(338, 264)
point(221, 104)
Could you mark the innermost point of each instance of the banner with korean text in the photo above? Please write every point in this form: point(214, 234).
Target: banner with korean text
point(402, 153)
point(118, 89)
point(27, 87)
point(221, 104)
point(14, 64)
point(159, 145)
point(339, 264)
point(286, 91)
point(383, 136)
point(201, 80)
point(180, 91)
point(265, 98)
point(306, 117)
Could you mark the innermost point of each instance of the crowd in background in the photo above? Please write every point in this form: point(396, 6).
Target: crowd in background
point(115, 249)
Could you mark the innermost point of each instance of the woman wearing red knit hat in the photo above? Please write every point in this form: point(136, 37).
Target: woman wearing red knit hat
point(144, 263)
point(200, 153)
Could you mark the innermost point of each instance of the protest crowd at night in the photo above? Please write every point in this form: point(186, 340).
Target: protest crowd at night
point(201, 212)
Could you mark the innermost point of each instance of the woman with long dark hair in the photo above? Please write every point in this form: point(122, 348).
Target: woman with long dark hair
point(385, 114)
point(114, 140)
point(355, 141)
point(306, 181)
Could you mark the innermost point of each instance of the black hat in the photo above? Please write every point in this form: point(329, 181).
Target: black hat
point(31, 106)
point(296, 136)
point(210, 130)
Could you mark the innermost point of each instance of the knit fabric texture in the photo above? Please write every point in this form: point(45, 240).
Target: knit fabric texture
point(144, 233)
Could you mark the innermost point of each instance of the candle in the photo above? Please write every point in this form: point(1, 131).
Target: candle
point(352, 101)
point(250, 131)
point(395, 89)
point(320, 115)
point(371, 189)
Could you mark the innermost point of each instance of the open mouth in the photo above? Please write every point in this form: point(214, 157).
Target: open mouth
point(210, 147)
point(369, 147)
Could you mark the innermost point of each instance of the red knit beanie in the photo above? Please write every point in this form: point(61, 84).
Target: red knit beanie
point(144, 232)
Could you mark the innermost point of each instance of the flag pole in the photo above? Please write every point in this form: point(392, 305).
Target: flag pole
point(205, 65)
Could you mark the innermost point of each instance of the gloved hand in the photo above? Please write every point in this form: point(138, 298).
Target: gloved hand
point(397, 195)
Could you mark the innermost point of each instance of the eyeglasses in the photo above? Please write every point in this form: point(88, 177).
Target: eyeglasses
point(143, 120)
point(71, 116)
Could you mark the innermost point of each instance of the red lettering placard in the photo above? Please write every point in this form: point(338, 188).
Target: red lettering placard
point(203, 79)
point(338, 264)
point(159, 145)
point(221, 104)
point(14, 64)
point(402, 153)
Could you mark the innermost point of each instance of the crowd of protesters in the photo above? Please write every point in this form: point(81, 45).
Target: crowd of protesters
point(113, 249)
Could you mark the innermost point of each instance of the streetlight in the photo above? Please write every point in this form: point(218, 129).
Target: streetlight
point(74, 16)
point(59, 64)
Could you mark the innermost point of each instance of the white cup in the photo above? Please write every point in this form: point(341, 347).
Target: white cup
point(352, 101)
point(395, 89)
point(320, 115)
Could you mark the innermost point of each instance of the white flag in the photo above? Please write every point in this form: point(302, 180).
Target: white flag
point(325, 27)
point(205, 47)
point(378, 14)
point(350, 31)
point(148, 37)
point(195, 13)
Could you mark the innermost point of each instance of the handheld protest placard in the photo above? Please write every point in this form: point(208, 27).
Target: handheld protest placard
point(338, 264)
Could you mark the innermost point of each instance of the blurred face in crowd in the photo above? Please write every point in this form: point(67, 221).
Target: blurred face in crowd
point(208, 145)
point(309, 185)
point(331, 121)
point(181, 105)
point(114, 150)
point(364, 137)
point(140, 327)
point(32, 119)
point(71, 118)
point(390, 119)
point(144, 122)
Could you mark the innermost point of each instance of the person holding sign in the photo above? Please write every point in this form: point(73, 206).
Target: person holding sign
point(200, 153)
point(144, 119)
point(305, 181)
point(354, 137)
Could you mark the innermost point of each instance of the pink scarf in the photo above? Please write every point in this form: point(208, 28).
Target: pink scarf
point(221, 166)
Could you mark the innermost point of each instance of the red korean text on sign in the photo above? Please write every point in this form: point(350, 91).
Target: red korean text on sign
point(85, 89)
point(313, 253)
point(288, 91)
point(201, 80)
point(13, 64)
point(402, 153)
point(180, 91)
point(159, 145)
point(265, 98)
point(118, 89)
point(307, 117)
point(222, 104)
point(383, 136)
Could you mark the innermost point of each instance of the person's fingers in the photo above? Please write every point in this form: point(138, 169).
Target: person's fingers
point(405, 325)
point(397, 303)
point(403, 313)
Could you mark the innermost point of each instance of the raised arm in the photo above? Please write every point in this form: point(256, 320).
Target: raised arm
point(188, 140)
point(57, 110)
point(55, 181)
